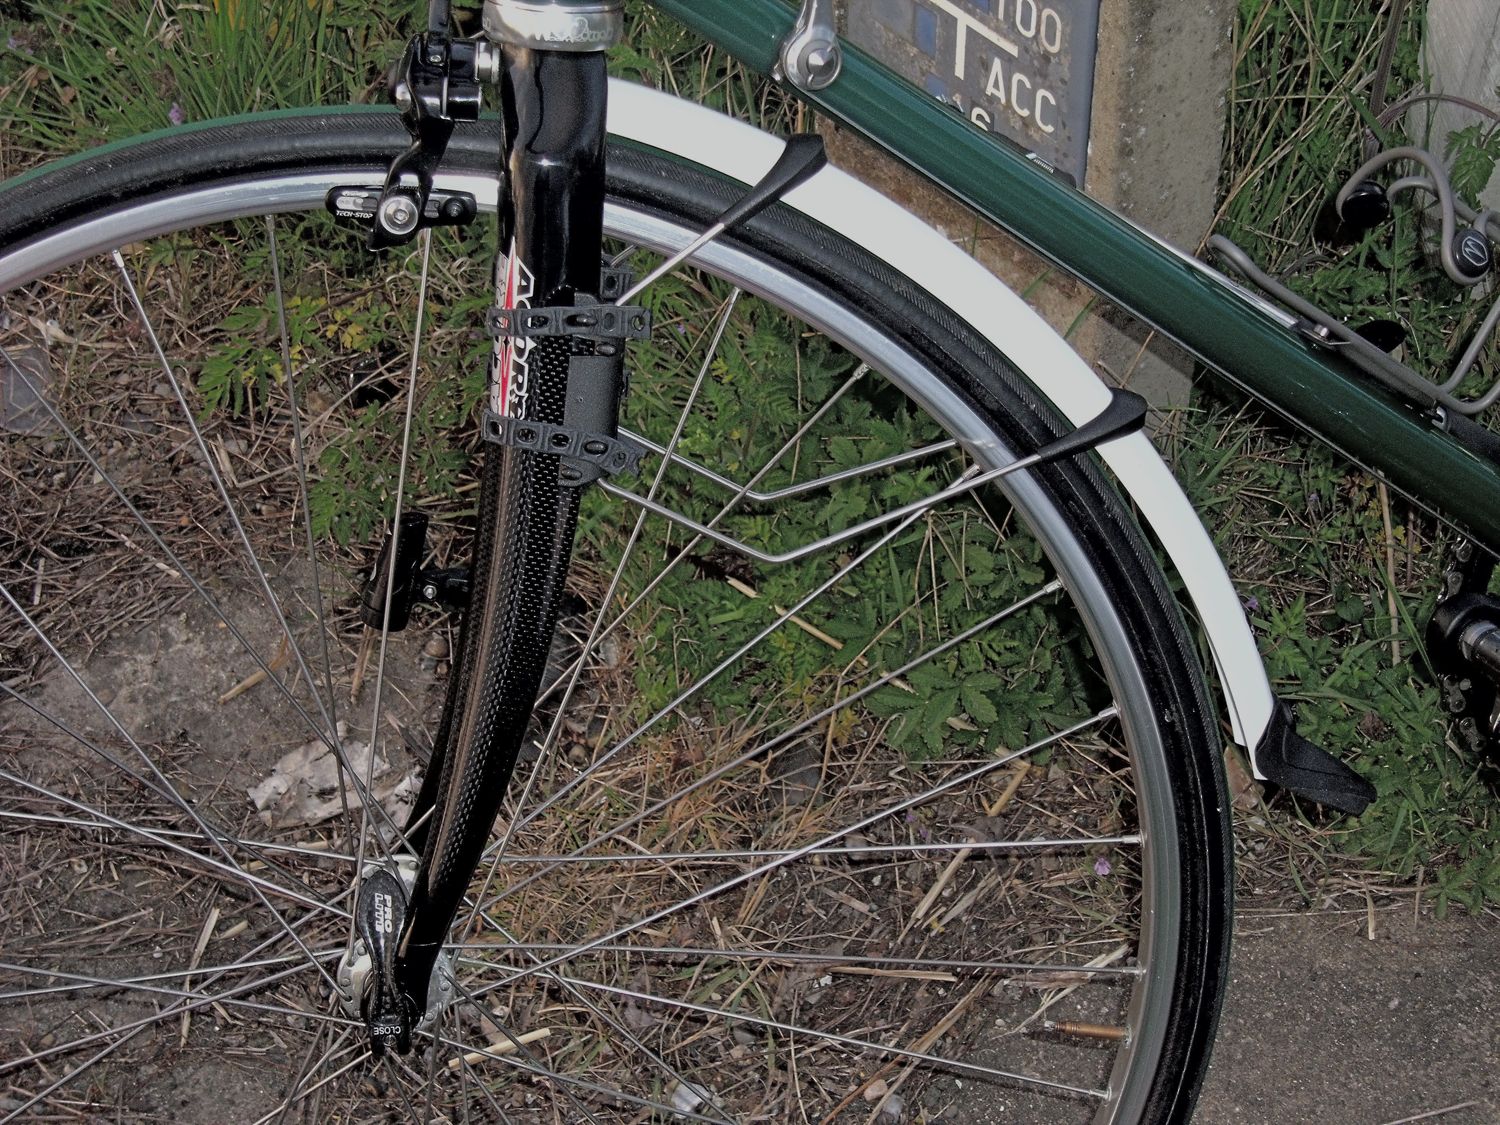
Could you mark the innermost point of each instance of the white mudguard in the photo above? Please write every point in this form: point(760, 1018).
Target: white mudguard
point(913, 248)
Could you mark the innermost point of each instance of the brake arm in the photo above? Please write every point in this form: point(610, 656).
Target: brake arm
point(437, 84)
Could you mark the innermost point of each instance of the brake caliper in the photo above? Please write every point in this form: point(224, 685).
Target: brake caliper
point(437, 84)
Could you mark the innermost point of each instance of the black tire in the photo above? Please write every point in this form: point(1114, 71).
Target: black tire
point(1135, 629)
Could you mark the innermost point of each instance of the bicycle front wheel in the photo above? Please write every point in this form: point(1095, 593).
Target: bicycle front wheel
point(928, 822)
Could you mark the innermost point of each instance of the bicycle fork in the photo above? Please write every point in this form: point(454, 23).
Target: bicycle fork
point(556, 375)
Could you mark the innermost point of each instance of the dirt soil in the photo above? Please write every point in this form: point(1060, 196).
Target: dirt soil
point(1324, 1024)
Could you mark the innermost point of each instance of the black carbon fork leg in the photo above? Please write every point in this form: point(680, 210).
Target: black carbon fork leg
point(553, 104)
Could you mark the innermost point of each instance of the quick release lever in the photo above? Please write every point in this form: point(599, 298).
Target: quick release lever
point(379, 915)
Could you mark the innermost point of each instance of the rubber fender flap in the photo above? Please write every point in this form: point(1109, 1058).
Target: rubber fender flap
point(1287, 759)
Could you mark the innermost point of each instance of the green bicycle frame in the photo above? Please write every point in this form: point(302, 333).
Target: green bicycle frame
point(1208, 317)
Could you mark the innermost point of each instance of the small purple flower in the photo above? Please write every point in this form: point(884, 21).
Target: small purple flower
point(1251, 603)
point(1101, 866)
point(13, 44)
point(175, 114)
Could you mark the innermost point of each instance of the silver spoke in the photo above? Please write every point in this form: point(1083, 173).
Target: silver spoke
point(743, 492)
point(330, 730)
point(569, 1083)
point(390, 583)
point(599, 1013)
point(124, 1032)
point(299, 450)
point(181, 568)
point(550, 741)
point(400, 1087)
point(781, 861)
point(175, 562)
point(731, 661)
point(228, 866)
point(848, 1040)
point(309, 1068)
point(212, 837)
point(465, 1072)
point(782, 739)
point(757, 497)
point(81, 983)
point(520, 1048)
point(906, 512)
point(162, 834)
point(656, 859)
point(812, 960)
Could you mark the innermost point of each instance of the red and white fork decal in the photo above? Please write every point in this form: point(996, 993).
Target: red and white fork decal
point(508, 384)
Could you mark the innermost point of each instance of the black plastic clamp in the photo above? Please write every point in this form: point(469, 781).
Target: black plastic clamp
point(598, 451)
point(615, 282)
point(615, 322)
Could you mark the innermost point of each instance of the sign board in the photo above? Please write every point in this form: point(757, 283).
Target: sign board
point(1020, 68)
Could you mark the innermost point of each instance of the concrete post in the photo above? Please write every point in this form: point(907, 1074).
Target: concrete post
point(1153, 128)
point(1461, 53)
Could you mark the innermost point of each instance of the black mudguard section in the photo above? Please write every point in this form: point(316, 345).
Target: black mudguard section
point(1292, 762)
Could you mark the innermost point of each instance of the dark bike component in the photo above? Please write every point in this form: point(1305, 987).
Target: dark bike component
point(1301, 767)
point(437, 83)
point(587, 439)
point(1387, 335)
point(1124, 414)
point(586, 318)
point(442, 586)
point(379, 914)
point(802, 158)
point(1365, 207)
point(1472, 256)
point(551, 231)
point(586, 453)
point(411, 545)
point(1463, 644)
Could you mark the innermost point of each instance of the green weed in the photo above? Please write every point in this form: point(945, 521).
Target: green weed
point(81, 72)
point(1305, 533)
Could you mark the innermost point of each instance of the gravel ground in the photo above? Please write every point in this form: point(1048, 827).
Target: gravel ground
point(1325, 1024)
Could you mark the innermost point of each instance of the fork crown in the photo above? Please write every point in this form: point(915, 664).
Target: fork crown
point(555, 25)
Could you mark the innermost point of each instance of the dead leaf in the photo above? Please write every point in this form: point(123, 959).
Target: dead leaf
point(303, 787)
point(1244, 790)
